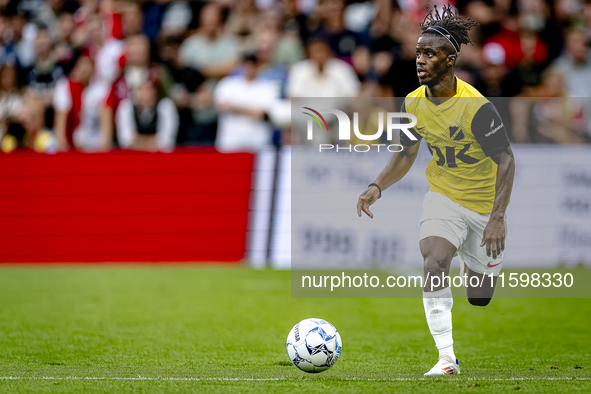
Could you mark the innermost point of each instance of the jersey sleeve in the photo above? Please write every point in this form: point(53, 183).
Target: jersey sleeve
point(404, 139)
point(489, 130)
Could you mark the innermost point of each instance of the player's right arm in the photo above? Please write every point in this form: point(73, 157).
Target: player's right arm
point(395, 170)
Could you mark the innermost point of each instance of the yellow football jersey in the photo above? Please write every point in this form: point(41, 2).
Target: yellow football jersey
point(461, 134)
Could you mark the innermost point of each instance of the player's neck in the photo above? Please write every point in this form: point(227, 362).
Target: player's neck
point(443, 90)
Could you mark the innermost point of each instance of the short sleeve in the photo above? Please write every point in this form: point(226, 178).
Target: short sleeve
point(489, 130)
point(404, 139)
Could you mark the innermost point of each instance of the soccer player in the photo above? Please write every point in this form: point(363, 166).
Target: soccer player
point(470, 178)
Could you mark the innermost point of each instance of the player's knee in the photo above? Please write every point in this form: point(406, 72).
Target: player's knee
point(479, 301)
point(435, 264)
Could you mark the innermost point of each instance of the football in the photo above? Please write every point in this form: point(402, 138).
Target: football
point(314, 345)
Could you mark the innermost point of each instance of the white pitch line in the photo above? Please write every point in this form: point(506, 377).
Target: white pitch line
point(140, 378)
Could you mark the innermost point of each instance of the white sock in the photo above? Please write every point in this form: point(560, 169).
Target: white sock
point(438, 306)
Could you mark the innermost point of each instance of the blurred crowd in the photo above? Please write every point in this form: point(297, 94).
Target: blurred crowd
point(98, 74)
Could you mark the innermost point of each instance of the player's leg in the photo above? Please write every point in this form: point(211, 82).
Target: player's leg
point(443, 230)
point(480, 288)
point(481, 271)
point(438, 301)
point(437, 254)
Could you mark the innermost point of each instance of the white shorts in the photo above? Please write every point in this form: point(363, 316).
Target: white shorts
point(445, 218)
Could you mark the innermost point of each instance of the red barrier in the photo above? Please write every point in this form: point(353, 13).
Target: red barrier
point(123, 206)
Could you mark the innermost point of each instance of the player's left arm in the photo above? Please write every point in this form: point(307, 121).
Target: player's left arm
point(489, 130)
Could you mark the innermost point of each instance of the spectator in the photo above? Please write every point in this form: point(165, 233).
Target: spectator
point(186, 83)
point(45, 14)
point(587, 18)
point(550, 117)
point(535, 17)
point(209, 51)
point(243, 21)
point(274, 44)
point(520, 43)
point(404, 63)
point(575, 64)
point(45, 73)
point(321, 75)
point(104, 49)
point(494, 79)
point(574, 68)
point(132, 18)
point(19, 40)
point(290, 49)
point(176, 19)
point(137, 69)
point(12, 102)
point(4, 27)
point(149, 121)
point(107, 52)
point(90, 37)
point(383, 46)
point(88, 8)
point(65, 48)
point(244, 102)
point(265, 44)
point(345, 44)
point(51, 13)
point(71, 126)
point(29, 131)
point(12, 99)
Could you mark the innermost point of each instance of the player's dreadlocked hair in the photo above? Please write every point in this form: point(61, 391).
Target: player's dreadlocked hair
point(449, 20)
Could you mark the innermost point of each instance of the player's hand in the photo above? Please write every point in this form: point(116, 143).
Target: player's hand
point(368, 197)
point(494, 237)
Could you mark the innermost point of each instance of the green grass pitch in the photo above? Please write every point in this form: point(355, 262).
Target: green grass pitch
point(190, 329)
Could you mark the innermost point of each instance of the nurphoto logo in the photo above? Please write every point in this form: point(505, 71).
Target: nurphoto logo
point(344, 131)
